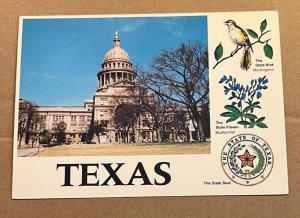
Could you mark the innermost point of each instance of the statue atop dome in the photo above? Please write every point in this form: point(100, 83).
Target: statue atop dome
point(116, 40)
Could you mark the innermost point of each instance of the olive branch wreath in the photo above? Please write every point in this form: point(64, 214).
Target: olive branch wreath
point(237, 169)
point(232, 160)
point(261, 160)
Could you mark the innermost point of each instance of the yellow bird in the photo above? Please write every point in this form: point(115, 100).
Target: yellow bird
point(240, 38)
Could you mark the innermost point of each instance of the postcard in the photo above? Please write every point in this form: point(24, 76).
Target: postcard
point(149, 105)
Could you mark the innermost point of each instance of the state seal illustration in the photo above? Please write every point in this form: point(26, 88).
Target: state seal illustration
point(247, 159)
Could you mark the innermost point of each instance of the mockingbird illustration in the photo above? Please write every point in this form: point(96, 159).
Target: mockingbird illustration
point(240, 38)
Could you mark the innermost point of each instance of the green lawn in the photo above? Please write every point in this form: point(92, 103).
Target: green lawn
point(127, 149)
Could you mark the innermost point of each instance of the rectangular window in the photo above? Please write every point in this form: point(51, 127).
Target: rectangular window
point(81, 128)
point(43, 118)
point(89, 118)
point(103, 101)
point(73, 118)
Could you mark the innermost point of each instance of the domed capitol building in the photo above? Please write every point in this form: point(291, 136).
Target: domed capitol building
point(114, 80)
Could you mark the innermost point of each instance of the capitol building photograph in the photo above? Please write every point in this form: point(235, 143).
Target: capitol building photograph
point(151, 95)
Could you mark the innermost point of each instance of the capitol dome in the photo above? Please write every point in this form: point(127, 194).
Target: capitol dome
point(116, 66)
point(116, 53)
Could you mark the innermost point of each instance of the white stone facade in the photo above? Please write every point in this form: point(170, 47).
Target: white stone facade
point(114, 79)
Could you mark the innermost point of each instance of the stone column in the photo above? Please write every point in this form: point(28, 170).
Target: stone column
point(68, 117)
point(77, 123)
point(151, 136)
point(191, 135)
point(50, 122)
point(112, 136)
point(155, 136)
point(76, 138)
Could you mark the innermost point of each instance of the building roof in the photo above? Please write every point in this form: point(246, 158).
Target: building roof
point(116, 53)
point(66, 109)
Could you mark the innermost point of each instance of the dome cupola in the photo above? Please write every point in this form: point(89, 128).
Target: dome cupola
point(116, 53)
point(116, 66)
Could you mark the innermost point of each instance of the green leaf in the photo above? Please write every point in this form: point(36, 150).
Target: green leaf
point(232, 119)
point(250, 116)
point(263, 25)
point(248, 108)
point(261, 125)
point(233, 109)
point(219, 52)
point(268, 51)
point(260, 120)
point(252, 33)
point(228, 114)
point(252, 125)
point(244, 123)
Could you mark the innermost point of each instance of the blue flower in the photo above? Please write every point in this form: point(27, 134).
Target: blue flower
point(258, 95)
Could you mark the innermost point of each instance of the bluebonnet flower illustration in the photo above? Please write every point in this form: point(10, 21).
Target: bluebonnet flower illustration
point(244, 101)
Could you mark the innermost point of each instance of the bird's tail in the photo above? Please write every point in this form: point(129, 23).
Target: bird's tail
point(246, 58)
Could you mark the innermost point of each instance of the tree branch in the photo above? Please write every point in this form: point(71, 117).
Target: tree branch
point(237, 49)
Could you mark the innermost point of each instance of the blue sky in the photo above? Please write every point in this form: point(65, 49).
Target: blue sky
point(61, 57)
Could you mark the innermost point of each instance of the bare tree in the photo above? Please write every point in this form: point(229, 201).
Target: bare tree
point(36, 129)
point(124, 119)
point(60, 132)
point(151, 104)
point(140, 99)
point(181, 75)
point(27, 118)
point(158, 110)
point(179, 121)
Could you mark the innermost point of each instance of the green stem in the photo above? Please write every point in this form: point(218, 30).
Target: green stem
point(241, 111)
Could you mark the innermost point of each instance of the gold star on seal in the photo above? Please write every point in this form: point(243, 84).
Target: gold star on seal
point(247, 159)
